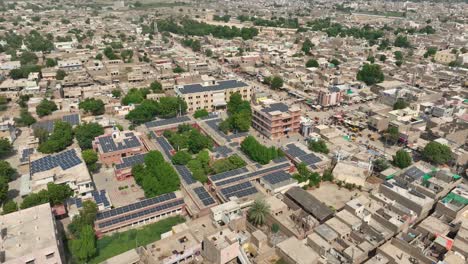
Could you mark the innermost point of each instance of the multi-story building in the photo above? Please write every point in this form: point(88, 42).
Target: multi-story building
point(30, 236)
point(275, 120)
point(112, 148)
point(221, 247)
point(330, 97)
point(211, 95)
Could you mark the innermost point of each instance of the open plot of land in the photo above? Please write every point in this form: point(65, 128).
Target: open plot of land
point(331, 195)
point(129, 191)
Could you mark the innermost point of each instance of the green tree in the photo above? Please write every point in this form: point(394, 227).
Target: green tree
point(383, 58)
point(98, 56)
point(371, 59)
point(60, 139)
point(198, 142)
point(380, 164)
point(200, 113)
point(3, 189)
point(182, 157)
point(312, 63)
point(9, 207)
point(402, 159)
point(91, 105)
point(5, 147)
point(318, 146)
point(60, 75)
point(402, 42)
point(437, 153)
point(86, 216)
point(398, 55)
point(34, 199)
point(327, 175)
point(392, 134)
point(335, 62)
point(28, 57)
point(85, 134)
point(156, 87)
point(258, 152)
point(51, 62)
point(58, 193)
point(258, 212)
point(178, 69)
point(275, 228)
point(84, 247)
point(116, 93)
point(307, 45)
point(6, 170)
point(400, 104)
point(90, 157)
point(135, 96)
point(370, 74)
point(276, 82)
point(156, 176)
point(45, 107)
point(209, 53)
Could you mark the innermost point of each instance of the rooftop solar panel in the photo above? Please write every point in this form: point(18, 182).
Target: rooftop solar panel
point(240, 190)
point(66, 159)
point(169, 121)
point(167, 148)
point(228, 174)
point(277, 177)
point(254, 174)
point(185, 173)
point(109, 145)
point(310, 159)
point(204, 196)
point(135, 206)
point(143, 213)
point(294, 151)
point(131, 161)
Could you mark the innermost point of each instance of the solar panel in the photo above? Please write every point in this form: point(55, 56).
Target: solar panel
point(414, 173)
point(240, 190)
point(294, 151)
point(65, 160)
point(73, 119)
point(204, 196)
point(137, 215)
point(109, 145)
point(131, 161)
point(254, 174)
point(310, 159)
point(185, 173)
point(228, 174)
point(135, 206)
point(167, 148)
point(169, 121)
point(277, 177)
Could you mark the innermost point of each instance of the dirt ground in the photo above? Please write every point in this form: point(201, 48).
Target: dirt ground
point(333, 196)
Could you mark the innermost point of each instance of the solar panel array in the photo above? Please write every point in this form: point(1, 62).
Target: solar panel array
point(167, 148)
point(72, 119)
point(131, 161)
point(239, 190)
point(100, 197)
point(222, 151)
point(214, 124)
point(227, 174)
point(65, 160)
point(204, 196)
point(185, 173)
point(25, 154)
point(277, 177)
point(109, 145)
point(310, 159)
point(140, 214)
point(169, 121)
point(135, 206)
point(253, 175)
point(414, 173)
point(294, 151)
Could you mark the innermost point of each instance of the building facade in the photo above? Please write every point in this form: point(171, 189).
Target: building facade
point(276, 120)
point(212, 95)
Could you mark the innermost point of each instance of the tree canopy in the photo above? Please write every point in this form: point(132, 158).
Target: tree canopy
point(318, 146)
point(156, 176)
point(402, 159)
point(258, 212)
point(54, 194)
point(86, 132)
point(437, 153)
point(45, 107)
point(5, 147)
point(60, 139)
point(94, 106)
point(166, 107)
point(400, 104)
point(312, 63)
point(370, 74)
point(240, 115)
point(258, 152)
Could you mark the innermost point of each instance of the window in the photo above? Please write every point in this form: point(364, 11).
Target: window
point(50, 255)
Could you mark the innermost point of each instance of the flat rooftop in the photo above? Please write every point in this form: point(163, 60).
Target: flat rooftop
point(27, 231)
point(219, 86)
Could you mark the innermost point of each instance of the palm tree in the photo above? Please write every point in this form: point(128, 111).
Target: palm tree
point(258, 212)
